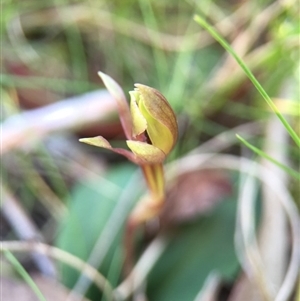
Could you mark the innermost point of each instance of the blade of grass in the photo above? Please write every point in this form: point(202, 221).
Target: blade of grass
point(158, 55)
point(259, 152)
point(74, 41)
point(250, 75)
point(13, 260)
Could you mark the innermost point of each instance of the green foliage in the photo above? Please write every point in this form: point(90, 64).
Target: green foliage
point(250, 75)
point(61, 45)
point(195, 251)
point(92, 204)
point(288, 170)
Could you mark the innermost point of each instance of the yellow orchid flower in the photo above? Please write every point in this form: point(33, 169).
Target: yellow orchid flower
point(151, 130)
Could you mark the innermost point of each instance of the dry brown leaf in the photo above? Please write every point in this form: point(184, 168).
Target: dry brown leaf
point(193, 194)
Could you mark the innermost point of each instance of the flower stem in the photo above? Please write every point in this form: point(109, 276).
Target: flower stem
point(150, 205)
point(154, 175)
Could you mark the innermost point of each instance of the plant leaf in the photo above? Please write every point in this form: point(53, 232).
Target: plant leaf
point(195, 250)
point(93, 209)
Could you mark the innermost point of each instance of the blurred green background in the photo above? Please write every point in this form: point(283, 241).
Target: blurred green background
point(78, 197)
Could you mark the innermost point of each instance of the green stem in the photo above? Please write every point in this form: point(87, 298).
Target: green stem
point(290, 171)
point(154, 176)
point(19, 268)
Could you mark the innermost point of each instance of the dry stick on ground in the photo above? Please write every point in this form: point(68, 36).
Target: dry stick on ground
point(73, 113)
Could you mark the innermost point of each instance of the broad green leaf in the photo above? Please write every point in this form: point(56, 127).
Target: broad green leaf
point(92, 203)
point(195, 250)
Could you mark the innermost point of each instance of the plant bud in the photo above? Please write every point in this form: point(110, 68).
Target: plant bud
point(153, 117)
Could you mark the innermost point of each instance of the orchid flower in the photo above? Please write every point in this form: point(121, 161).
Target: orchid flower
point(151, 131)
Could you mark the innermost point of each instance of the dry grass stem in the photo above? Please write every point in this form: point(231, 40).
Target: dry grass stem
point(111, 229)
point(194, 162)
point(142, 268)
point(63, 256)
point(209, 291)
point(244, 41)
point(228, 138)
point(81, 15)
